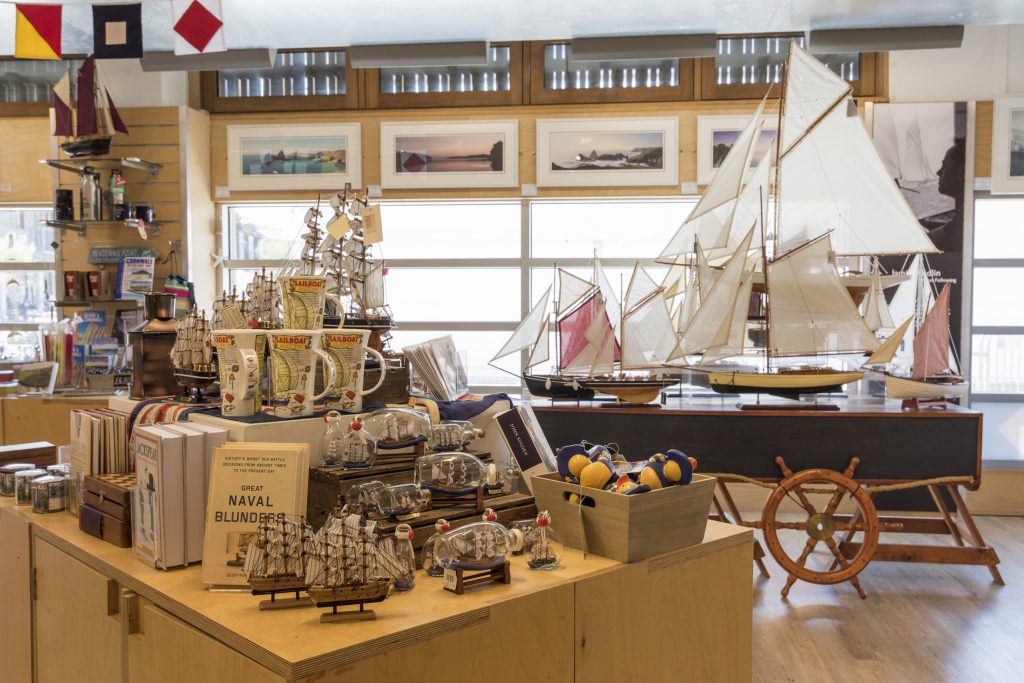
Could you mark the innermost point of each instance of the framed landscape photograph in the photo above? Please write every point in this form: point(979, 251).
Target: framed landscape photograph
point(449, 154)
point(717, 134)
point(607, 152)
point(1008, 146)
point(294, 156)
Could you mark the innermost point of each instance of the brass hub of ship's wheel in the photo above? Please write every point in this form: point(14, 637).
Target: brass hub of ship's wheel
point(821, 525)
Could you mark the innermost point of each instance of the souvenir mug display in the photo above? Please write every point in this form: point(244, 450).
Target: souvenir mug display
point(240, 362)
point(303, 298)
point(347, 348)
point(293, 359)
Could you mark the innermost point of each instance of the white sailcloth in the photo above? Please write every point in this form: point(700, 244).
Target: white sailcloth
point(571, 290)
point(373, 291)
point(710, 228)
point(688, 306)
point(647, 335)
point(641, 286)
point(728, 180)
point(887, 351)
point(876, 310)
point(715, 306)
point(604, 361)
point(611, 302)
point(529, 328)
point(809, 309)
point(912, 300)
point(595, 333)
point(541, 351)
point(735, 325)
point(831, 176)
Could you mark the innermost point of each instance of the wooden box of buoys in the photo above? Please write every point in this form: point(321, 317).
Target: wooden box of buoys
point(623, 510)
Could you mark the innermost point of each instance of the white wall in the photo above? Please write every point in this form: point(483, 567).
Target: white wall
point(133, 87)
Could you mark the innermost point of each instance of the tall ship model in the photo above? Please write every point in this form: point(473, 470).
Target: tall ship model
point(350, 565)
point(833, 197)
point(96, 117)
point(275, 561)
point(192, 354)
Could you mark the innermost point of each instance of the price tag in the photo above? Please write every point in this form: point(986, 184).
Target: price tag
point(142, 228)
point(373, 230)
point(232, 317)
point(451, 579)
point(338, 226)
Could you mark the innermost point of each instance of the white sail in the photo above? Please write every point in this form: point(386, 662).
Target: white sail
point(912, 300)
point(641, 286)
point(604, 361)
point(832, 178)
point(812, 89)
point(715, 306)
point(527, 331)
point(571, 289)
point(373, 288)
point(674, 282)
point(809, 309)
point(705, 275)
point(876, 310)
point(916, 167)
point(711, 228)
point(541, 351)
point(611, 302)
point(647, 335)
point(728, 178)
point(749, 205)
point(688, 306)
point(887, 351)
point(734, 328)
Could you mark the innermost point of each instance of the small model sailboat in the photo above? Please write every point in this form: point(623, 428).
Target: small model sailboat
point(192, 355)
point(97, 118)
point(275, 561)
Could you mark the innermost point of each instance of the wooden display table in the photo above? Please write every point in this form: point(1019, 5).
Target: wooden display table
point(42, 418)
point(102, 615)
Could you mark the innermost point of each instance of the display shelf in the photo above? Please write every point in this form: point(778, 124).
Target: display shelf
point(75, 304)
point(152, 228)
point(78, 165)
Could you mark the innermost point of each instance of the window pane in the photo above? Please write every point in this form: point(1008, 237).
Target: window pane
point(615, 229)
point(32, 80)
point(997, 296)
point(457, 294)
point(494, 75)
point(293, 74)
point(451, 230)
point(541, 278)
point(266, 231)
point(999, 228)
point(480, 347)
point(25, 296)
point(997, 364)
point(24, 236)
point(748, 60)
point(562, 72)
point(19, 345)
point(1002, 430)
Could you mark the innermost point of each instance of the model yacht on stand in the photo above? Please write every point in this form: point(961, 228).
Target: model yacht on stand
point(832, 196)
point(275, 561)
point(192, 355)
point(96, 117)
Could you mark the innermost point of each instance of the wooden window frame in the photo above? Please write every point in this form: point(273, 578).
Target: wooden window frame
point(868, 85)
point(375, 99)
point(541, 95)
point(215, 104)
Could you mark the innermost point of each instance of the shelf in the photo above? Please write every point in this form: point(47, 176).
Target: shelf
point(152, 229)
point(86, 304)
point(77, 165)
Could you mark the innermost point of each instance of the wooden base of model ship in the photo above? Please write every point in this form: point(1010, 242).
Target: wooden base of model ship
point(361, 614)
point(284, 603)
point(456, 580)
point(441, 499)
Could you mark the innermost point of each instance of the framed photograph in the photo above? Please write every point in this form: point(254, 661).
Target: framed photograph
point(449, 154)
point(295, 156)
point(717, 134)
point(37, 378)
point(1008, 146)
point(607, 152)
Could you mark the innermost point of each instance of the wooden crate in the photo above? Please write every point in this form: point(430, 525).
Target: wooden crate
point(40, 453)
point(627, 528)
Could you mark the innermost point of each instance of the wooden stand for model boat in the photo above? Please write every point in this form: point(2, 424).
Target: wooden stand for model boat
point(284, 603)
point(456, 580)
point(440, 500)
point(362, 614)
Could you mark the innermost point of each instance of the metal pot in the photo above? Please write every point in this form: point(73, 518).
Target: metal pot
point(151, 342)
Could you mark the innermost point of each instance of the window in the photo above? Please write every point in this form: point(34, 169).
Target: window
point(26, 85)
point(997, 324)
point(472, 268)
point(27, 278)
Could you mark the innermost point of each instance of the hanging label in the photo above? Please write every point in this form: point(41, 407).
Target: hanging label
point(373, 230)
point(338, 226)
point(451, 579)
point(231, 315)
point(142, 228)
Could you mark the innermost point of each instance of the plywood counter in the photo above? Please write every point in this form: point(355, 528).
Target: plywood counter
point(689, 608)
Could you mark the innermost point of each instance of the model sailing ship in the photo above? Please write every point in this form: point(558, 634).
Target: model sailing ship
point(833, 197)
point(192, 355)
point(275, 561)
point(350, 565)
point(96, 118)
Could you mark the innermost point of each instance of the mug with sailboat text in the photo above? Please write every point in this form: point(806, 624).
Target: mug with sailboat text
point(293, 359)
point(302, 299)
point(240, 364)
point(348, 349)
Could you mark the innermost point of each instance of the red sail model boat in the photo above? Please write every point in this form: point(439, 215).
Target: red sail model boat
point(97, 118)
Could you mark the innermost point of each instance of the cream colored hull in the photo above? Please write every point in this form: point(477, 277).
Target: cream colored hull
point(789, 383)
point(904, 388)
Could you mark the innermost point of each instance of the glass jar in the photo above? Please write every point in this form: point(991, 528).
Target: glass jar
point(351, 448)
point(431, 547)
point(49, 494)
point(23, 485)
point(7, 480)
point(60, 470)
point(406, 557)
point(364, 499)
point(474, 547)
point(449, 473)
point(545, 552)
point(394, 428)
point(403, 500)
point(521, 535)
point(446, 437)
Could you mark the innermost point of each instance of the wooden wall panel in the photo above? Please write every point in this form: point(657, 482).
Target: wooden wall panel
point(23, 142)
point(983, 139)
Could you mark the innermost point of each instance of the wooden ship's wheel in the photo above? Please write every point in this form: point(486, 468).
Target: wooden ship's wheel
point(822, 525)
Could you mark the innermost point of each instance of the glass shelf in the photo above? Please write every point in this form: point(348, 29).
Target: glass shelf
point(93, 302)
point(152, 229)
point(77, 165)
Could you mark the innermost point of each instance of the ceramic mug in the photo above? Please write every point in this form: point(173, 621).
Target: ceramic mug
point(302, 299)
point(293, 356)
point(240, 364)
point(347, 348)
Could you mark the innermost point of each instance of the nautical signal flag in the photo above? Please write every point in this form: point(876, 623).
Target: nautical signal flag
point(117, 31)
point(37, 31)
point(198, 26)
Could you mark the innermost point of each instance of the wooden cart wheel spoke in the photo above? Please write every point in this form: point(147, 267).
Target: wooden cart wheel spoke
point(821, 525)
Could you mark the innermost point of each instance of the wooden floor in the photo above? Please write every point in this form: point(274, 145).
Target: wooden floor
point(920, 622)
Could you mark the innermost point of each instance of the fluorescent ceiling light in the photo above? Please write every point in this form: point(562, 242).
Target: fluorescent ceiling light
point(884, 39)
point(644, 47)
point(255, 58)
point(470, 53)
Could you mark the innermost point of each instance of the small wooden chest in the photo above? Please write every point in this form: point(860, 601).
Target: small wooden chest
point(101, 525)
point(111, 494)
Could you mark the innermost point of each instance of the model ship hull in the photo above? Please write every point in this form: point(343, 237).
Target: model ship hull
point(271, 584)
point(907, 388)
point(374, 591)
point(547, 386)
point(785, 384)
point(87, 147)
point(632, 391)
